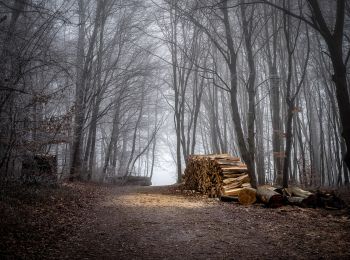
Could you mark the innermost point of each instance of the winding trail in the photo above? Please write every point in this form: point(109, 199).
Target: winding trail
point(158, 223)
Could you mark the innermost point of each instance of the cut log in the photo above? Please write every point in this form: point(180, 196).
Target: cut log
point(269, 197)
point(227, 175)
point(297, 192)
point(309, 202)
point(233, 168)
point(246, 185)
point(237, 183)
point(218, 156)
point(242, 178)
point(232, 186)
point(328, 200)
point(232, 192)
point(231, 172)
point(296, 201)
point(228, 180)
point(247, 196)
point(232, 161)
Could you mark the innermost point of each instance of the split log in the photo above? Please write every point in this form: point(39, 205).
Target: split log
point(229, 180)
point(242, 178)
point(269, 197)
point(246, 185)
point(237, 182)
point(233, 169)
point(232, 186)
point(218, 156)
point(233, 175)
point(232, 192)
point(232, 161)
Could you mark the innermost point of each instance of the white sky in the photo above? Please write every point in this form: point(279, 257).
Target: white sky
point(165, 167)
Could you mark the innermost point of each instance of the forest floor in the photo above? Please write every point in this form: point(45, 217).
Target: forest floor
point(88, 221)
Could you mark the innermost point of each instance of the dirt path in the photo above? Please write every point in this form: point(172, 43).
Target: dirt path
point(151, 223)
point(98, 222)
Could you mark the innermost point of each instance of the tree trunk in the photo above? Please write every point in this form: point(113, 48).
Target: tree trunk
point(342, 93)
point(114, 138)
point(247, 31)
point(236, 118)
point(271, 54)
point(334, 43)
point(177, 116)
point(79, 93)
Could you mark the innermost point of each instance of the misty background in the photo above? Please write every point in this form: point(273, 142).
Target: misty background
point(112, 89)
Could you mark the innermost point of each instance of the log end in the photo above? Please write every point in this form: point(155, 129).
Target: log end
point(247, 196)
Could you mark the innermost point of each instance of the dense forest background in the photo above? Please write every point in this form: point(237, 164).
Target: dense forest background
point(104, 86)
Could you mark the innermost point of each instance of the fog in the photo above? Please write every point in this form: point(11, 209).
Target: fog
point(111, 90)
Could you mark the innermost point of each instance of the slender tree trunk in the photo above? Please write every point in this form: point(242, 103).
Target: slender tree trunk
point(247, 31)
point(113, 140)
point(291, 97)
point(79, 92)
point(236, 118)
point(274, 96)
point(177, 116)
point(131, 160)
point(198, 97)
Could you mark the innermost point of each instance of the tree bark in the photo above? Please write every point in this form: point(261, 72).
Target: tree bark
point(247, 31)
point(236, 118)
point(79, 97)
point(177, 116)
point(334, 43)
point(81, 90)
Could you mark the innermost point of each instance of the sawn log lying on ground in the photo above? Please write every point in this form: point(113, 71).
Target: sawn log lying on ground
point(295, 196)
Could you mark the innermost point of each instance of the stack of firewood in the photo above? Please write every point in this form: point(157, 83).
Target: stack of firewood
point(225, 176)
point(219, 175)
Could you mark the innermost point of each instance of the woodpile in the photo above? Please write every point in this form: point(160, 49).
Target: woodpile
point(295, 196)
point(225, 176)
point(219, 175)
point(39, 169)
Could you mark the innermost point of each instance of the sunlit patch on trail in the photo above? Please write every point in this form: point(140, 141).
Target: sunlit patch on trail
point(154, 200)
